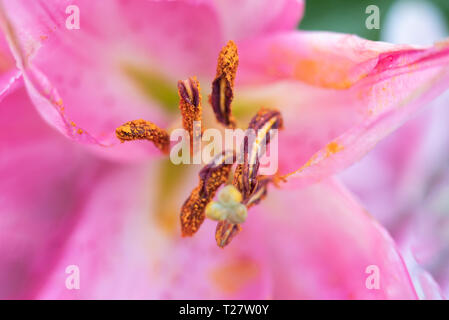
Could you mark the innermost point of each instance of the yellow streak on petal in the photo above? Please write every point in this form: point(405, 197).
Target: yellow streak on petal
point(153, 85)
point(331, 148)
point(324, 74)
point(442, 43)
point(167, 199)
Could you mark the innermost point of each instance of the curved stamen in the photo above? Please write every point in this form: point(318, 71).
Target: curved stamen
point(211, 177)
point(225, 232)
point(190, 106)
point(245, 177)
point(144, 130)
point(252, 187)
point(223, 84)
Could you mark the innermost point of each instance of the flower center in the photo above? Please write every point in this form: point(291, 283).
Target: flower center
point(244, 186)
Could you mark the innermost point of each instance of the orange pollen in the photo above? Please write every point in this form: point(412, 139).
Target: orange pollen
point(192, 212)
point(223, 84)
point(225, 232)
point(144, 130)
point(211, 177)
point(190, 105)
point(228, 62)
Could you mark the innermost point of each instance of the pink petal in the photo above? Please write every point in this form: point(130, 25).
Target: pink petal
point(43, 181)
point(422, 231)
point(425, 285)
point(408, 186)
point(321, 242)
point(9, 74)
point(400, 172)
point(339, 94)
point(87, 82)
point(242, 19)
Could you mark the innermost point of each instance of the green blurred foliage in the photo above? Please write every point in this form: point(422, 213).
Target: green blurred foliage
point(349, 16)
point(444, 7)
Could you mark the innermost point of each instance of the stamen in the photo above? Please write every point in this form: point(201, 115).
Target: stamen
point(211, 177)
point(192, 212)
point(225, 232)
point(246, 180)
point(144, 130)
point(190, 106)
point(260, 192)
point(264, 121)
point(245, 174)
point(223, 84)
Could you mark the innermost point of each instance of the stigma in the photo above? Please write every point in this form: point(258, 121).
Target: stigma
point(228, 206)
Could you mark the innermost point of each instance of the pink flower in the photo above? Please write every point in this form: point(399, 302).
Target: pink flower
point(112, 210)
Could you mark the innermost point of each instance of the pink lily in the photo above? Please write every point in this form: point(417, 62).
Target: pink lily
point(88, 205)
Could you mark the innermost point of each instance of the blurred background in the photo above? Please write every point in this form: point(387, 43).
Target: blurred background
point(345, 15)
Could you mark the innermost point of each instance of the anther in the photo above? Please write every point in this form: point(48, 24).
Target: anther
point(190, 106)
point(223, 84)
point(144, 130)
point(225, 232)
point(245, 176)
point(211, 177)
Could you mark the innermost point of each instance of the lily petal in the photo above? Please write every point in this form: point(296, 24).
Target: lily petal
point(408, 187)
point(323, 245)
point(9, 74)
point(44, 178)
point(346, 94)
point(122, 63)
point(248, 18)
